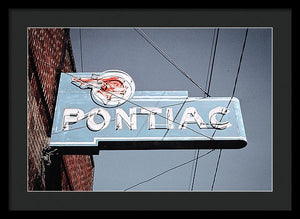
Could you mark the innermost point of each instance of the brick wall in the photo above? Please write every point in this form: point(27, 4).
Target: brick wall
point(80, 171)
point(49, 54)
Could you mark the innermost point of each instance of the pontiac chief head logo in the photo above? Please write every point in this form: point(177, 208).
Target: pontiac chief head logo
point(110, 88)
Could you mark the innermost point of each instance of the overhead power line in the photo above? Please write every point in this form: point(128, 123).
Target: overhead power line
point(208, 81)
point(155, 46)
point(168, 170)
point(233, 92)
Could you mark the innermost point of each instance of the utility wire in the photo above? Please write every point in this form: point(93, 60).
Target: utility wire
point(155, 46)
point(195, 170)
point(176, 116)
point(233, 92)
point(208, 81)
point(80, 50)
point(209, 63)
point(215, 174)
point(239, 67)
point(168, 170)
point(213, 60)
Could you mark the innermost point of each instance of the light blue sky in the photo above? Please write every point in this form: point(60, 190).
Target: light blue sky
point(246, 169)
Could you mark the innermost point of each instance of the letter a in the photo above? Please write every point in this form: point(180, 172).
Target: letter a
point(191, 116)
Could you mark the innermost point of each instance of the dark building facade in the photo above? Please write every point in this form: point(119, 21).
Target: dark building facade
point(49, 54)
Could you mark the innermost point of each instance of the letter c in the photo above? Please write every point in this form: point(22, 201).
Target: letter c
point(213, 120)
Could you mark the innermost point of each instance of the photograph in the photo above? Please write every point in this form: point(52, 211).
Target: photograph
point(150, 109)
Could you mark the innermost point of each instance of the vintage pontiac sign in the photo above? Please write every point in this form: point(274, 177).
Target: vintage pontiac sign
point(102, 111)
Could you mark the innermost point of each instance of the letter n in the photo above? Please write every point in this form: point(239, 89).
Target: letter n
point(130, 120)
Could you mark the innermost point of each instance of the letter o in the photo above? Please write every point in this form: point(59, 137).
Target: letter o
point(92, 125)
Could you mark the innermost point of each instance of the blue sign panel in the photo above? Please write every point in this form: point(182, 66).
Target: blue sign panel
point(84, 123)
